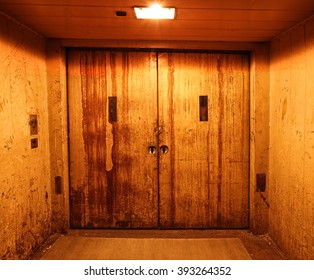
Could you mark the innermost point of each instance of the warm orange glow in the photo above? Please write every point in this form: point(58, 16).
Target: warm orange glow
point(154, 12)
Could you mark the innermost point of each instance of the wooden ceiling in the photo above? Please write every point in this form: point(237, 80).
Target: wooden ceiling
point(196, 20)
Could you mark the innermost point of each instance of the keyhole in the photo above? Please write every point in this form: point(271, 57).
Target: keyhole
point(164, 149)
point(152, 149)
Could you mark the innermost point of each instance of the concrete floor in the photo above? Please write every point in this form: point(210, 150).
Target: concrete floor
point(259, 247)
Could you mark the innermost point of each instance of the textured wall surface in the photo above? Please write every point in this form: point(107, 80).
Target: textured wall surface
point(25, 215)
point(259, 136)
point(58, 134)
point(291, 222)
point(25, 185)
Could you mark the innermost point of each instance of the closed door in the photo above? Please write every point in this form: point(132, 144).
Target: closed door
point(204, 117)
point(158, 140)
point(112, 113)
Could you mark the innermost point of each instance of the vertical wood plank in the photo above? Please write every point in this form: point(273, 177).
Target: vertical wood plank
point(232, 76)
point(184, 198)
point(132, 77)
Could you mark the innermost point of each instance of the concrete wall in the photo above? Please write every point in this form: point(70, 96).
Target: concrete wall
point(259, 138)
point(291, 216)
point(58, 134)
point(25, 195)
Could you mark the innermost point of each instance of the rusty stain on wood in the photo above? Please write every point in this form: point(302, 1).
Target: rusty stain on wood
point(122, 192)
point(109, 146)
point(229, 88)
point(171, 107)
point(115, 187)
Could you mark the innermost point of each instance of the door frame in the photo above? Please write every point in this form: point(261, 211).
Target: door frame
point(259, 117)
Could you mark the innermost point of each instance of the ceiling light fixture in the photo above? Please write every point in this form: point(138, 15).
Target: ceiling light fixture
point(154, 12)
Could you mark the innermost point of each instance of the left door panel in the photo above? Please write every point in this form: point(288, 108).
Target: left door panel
point(113, 174)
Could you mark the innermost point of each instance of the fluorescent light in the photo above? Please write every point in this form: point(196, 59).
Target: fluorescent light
point(154, 12)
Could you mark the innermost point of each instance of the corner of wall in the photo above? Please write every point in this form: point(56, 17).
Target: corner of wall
point(259, 138)
point(57, 106)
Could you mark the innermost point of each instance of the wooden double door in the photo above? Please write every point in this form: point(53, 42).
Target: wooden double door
point(158, 139)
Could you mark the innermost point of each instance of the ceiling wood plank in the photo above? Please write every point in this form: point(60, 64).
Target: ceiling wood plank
point(138, 44)
point(191, 14)
point(300, 5)
point(226, 20)
point(141, 34)
point(63, 22)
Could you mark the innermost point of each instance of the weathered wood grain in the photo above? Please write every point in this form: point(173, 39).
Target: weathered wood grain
point(113, 176)
point(204, 179)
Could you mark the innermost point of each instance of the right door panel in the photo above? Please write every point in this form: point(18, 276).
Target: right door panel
point(204, 176)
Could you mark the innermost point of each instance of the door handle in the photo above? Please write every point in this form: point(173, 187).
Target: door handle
point(152, 149)
point(164, 149)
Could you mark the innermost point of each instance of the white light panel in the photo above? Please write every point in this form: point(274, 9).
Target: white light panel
point(154, 12)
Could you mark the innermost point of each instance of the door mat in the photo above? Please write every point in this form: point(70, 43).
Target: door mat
point(95, 248)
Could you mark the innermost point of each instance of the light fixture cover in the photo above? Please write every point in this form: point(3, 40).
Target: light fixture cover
point(154, 12)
